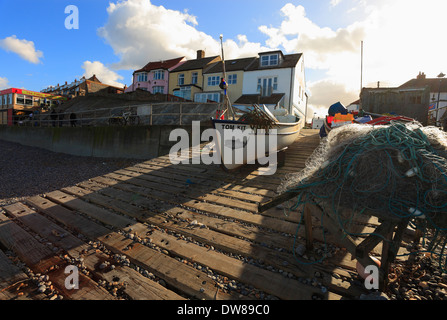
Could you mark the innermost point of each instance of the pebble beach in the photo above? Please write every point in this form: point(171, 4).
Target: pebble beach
point(27, 171)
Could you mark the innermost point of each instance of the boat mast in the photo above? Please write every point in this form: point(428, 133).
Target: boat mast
point(225, 86)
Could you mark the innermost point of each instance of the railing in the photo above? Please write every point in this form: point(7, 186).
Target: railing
point(174, 113)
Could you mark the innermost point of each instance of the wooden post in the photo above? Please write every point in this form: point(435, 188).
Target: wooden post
point(308, 227)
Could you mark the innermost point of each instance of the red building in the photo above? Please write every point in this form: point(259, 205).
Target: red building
point(20, 102)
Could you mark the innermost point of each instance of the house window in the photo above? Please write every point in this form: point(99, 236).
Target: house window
point(269, 60)
point(158, 89)
point(207, 96)
point(184, 92)
point(20, 99)
point(159, 75)
point(181, 79)
point(194, 78)
point(142, 77)
point(266, 86)
point(416, 100)
point(232, 79)
point(213, 80)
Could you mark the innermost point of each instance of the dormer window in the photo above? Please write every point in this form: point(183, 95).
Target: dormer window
point(270, 60)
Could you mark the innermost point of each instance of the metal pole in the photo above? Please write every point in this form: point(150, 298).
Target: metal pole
point(361, 68)
point(227, 100)
point(361, 80)
point(440, 76)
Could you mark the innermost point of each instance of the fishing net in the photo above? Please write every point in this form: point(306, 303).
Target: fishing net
point(399, 170)
point(259, 119)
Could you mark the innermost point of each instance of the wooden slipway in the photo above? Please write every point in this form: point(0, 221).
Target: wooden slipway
point(186, 231)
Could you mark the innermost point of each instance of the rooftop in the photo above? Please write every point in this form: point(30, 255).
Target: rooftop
point(164, 65)
point(196, 64)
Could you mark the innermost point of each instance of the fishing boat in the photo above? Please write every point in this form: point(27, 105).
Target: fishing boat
point(240, 142)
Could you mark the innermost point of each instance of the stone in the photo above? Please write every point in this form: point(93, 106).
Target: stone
point(300, 250)
point(42, 288)
point(374, 296)
point(424, 285)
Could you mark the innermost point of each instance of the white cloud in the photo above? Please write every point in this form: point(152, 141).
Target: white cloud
point(24, 48)
point(327, 92)
point(4, 83)
point(401, 38)
point(104, 74)
point(139, 32)
point(335, 3)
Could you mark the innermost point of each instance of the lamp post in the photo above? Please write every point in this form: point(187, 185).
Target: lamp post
point(440, 76)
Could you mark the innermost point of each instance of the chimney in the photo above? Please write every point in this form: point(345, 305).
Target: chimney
point(421, 75)
point(200, 54)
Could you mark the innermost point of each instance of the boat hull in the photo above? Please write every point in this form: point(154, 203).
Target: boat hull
point(238, 143)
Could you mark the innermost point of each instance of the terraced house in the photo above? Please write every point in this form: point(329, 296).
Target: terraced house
point(154, 76)
point(234, 78)
point(187, 80)
point(276, 80)
point(271, 78)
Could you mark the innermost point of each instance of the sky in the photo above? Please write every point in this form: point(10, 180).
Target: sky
point(46, 42)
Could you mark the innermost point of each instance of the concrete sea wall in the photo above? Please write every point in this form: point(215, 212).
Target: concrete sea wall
point(136, 142)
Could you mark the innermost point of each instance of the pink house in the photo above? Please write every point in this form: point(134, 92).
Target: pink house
point(154, 76)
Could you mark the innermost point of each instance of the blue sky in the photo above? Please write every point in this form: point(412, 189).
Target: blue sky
point(117, 36)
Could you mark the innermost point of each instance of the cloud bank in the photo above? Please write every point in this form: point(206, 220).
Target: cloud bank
point(4, 83)
point(24, 48)
point(104, 74)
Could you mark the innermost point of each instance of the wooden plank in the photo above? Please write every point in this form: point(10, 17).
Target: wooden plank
point(184, 190)
point(9, 273)
point(102, 215)
point(45, 228)
point(252, 233)
point(24, 245)
point(39, 258)
point(135, 187)
point(138, 286)
point(68, 218)
point(373, 240)
point(265, 280)
point(178, 275)
point(175, 273)
point(134, 284)
point(227, 243)
point(196, 185)
point(214, 238)
point(307, 216)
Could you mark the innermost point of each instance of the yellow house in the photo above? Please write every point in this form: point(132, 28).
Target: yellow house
point(187, 80)
point(234, 70)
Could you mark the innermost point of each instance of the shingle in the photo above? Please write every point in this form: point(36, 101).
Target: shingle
point(290, 61)
point(231, 65)
point(196, 64)
point(165, 65)
point(258, 99)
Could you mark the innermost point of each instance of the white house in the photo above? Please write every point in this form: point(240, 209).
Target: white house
point(276, 80)
point(317, 123)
